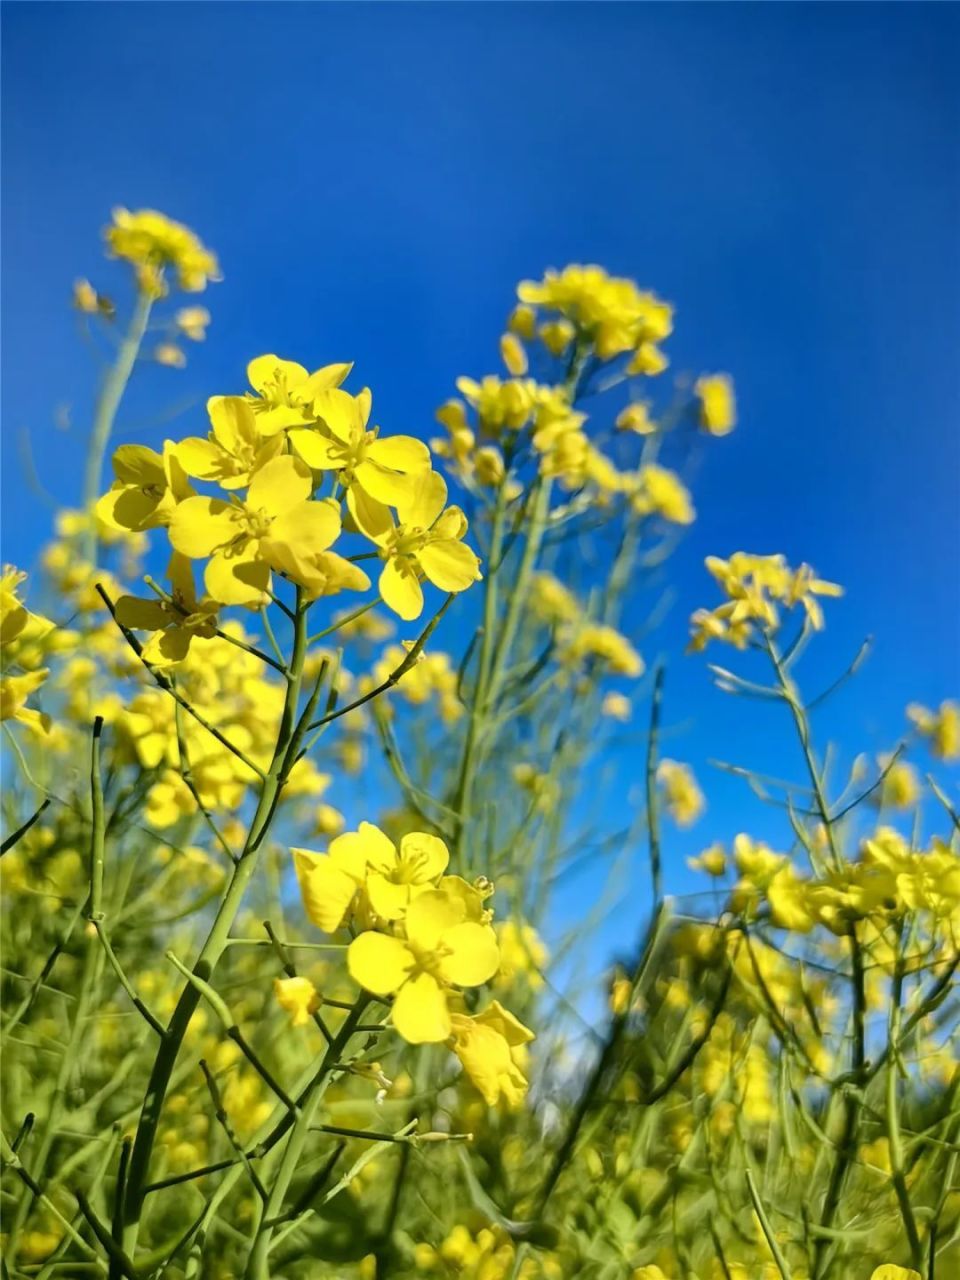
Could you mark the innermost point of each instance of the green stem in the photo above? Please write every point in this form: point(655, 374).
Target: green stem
point(216, 941)
point(108, 402)
point(258, 1265)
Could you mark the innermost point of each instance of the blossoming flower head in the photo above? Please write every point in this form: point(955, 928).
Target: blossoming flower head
point(152, 242)
point(491, 1047)
point(385, 468)
point(444, 942)
point(276, 526)
point(683, 798)
point(755, 586)
point(941, 728)
point(425, 542)
point(234, 450)
point(175, 622)
point(284, 392)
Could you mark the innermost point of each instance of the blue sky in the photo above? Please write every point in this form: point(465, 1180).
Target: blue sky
point(377, 178)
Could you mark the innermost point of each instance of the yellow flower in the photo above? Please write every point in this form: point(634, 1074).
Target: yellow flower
point(386, 469)
point(636, 418)
point(513, 354)
point(234, 450)
point(146, 489)
point(175, 622)
point(617, 706)
point(151, 241)
point(275, 527)
point(442, 946)
point(298, 997)
point(490, 1046)
point(609, 311)
point(941, 727)
point(683, 798)
point(285, 391)
point(713, 860)
point(330, 882)
point(192, 322)
point(426, 542)
point(890, 1271)
point(718, 406)
point(900, 788)
point(87, 300)
point(14, 692)
point(655, 490)
point(169, 354)
point(604, 643)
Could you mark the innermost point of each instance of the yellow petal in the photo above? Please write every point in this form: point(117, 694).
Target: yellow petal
point(378, 963)
point(425, 502)
point(128, 508)
point(372, 518)
point(474, 956)
point(141, 615)
point(430, 917)
point(425, 856)
point(167, 648)
point(400, 453)
point(199, 525)
point(237, 579)
point(388, 487)
point(401, 590)
point(388, 900)
point(200, 458)
point(233, 420)
point(136, 464)
point(278, 485)
point(268, 369)
point(449, 565)
point(366, 847)
point(317, 451)
point(420, 1012)
point(331, 375)
point(327, 891)
point(309, 527)
point(340, 413)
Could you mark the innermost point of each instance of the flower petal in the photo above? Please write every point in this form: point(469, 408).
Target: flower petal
point(388, 900)
point(278, 485)
point(237, 579)
point(327, 890)
point(474, 956)
point(425, 856)
point(233, 420)
point(420, 1012)
point(265, 370)
point(319, 452)
point(380, 964)
point(430, 917)
point(400, 453)
point(401, 590)
point(449, 565)
point(199, 525)
point(425, 501)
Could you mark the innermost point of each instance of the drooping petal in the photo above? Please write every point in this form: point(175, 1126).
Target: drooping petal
point(278, 485)
point(141, 615)
point(401, 590)
point(199, 525)
point(372, 518)
point(451, 566)
point(420, 1012)
point(473, 956)
point(167, 648)
point(327, 574)
point(137, 464)
point(380, 964)
point(327, 891)
point(237, 579)
point(331, 375)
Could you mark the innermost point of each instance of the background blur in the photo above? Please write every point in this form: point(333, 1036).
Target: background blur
point(376, 179)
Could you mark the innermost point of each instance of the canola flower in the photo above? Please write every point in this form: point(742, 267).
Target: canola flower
point(378, 1081)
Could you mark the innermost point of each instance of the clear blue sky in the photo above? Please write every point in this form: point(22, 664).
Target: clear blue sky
point(376, 178)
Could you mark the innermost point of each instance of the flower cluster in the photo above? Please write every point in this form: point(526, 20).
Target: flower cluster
point(270, 453)
point(153, 243)
point(755, 586)
point(422, 938)
point(24, 640)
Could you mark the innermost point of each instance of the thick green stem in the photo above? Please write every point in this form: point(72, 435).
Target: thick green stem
point(105, 413)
